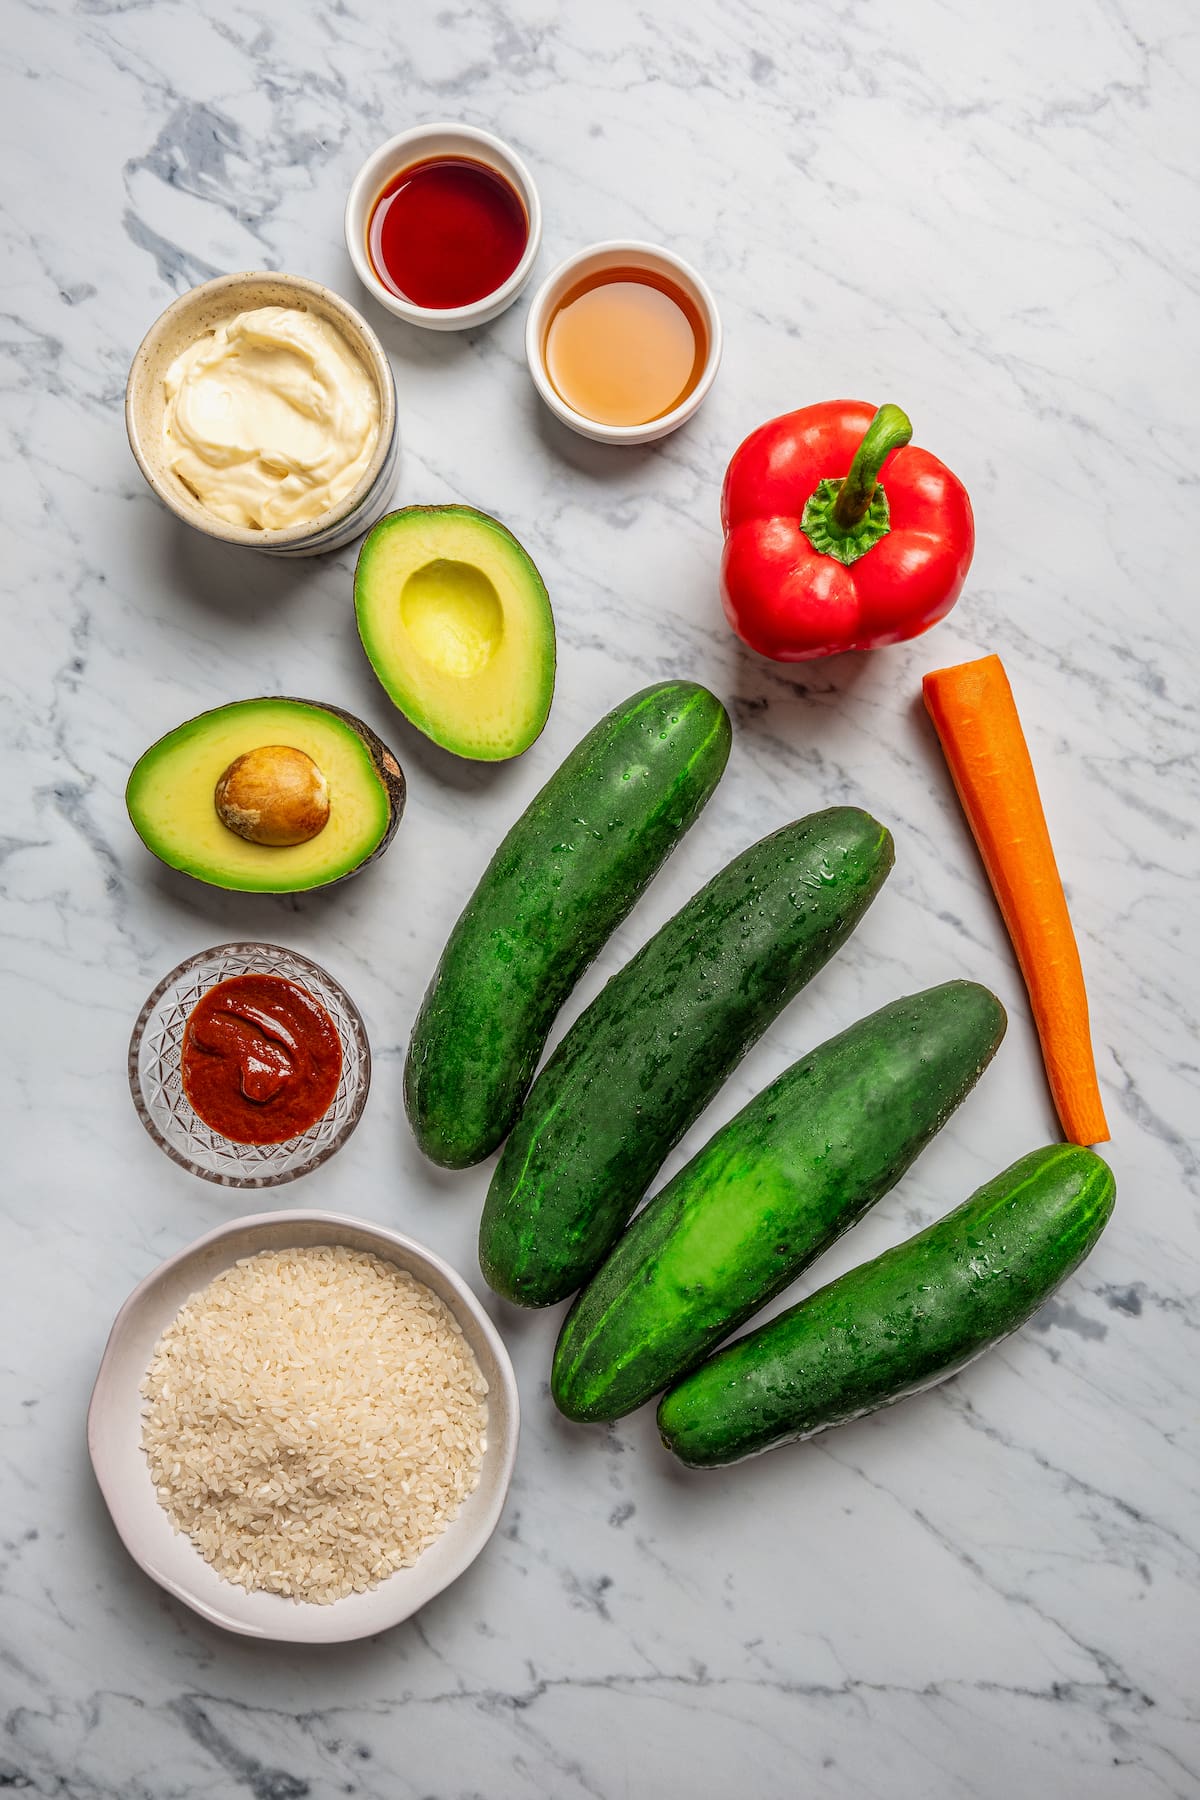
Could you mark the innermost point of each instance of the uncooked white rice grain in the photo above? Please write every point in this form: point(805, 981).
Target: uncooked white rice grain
point(313, 1420)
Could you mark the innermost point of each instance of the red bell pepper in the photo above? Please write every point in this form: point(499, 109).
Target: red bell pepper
point(839, 533)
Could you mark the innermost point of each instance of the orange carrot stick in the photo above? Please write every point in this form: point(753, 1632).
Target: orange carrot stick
point(975, 717)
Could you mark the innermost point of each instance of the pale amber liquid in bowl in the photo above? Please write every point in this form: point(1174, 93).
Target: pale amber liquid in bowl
point(625, 347)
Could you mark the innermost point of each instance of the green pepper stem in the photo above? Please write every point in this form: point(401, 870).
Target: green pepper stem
point(889, 430)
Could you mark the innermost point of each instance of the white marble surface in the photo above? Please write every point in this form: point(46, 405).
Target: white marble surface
point(984, 213)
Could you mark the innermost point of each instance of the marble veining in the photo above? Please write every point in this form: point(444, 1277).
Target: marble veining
point(980, 213)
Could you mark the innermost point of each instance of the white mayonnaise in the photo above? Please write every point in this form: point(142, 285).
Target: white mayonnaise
point(271, 419)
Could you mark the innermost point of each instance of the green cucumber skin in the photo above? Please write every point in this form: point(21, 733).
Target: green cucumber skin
point(904, 1321)
point(652, 1049)
point(568, 872)
point(769, 1193)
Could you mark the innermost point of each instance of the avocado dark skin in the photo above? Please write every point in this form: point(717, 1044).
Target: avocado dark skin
point(387, 768)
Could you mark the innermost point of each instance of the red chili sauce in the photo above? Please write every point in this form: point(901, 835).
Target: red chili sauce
point(446, 232)
point(261, 1059)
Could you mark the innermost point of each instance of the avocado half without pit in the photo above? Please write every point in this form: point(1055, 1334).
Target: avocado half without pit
point(457, 624)
point(268, 796)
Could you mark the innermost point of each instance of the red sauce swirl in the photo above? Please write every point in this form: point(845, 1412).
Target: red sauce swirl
point(261, 1059)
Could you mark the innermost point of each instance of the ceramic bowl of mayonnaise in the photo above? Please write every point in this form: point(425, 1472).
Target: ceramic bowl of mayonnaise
point(261, 410)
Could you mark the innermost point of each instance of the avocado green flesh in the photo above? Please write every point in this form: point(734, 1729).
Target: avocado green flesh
point(649, 1053)
point(899, 1323)
point(457, 624)
point(170, 797)
point(769, 1193)
point(565, 876)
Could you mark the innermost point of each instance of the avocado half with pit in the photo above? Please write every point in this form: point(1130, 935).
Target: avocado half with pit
point(269, 796)
point(457, 623)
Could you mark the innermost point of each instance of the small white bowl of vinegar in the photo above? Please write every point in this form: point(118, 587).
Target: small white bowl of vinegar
point(623, 342)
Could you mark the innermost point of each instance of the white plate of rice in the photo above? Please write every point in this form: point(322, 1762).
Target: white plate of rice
point(304, 1426)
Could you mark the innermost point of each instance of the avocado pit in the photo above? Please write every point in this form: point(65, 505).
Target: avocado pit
point(274, 795)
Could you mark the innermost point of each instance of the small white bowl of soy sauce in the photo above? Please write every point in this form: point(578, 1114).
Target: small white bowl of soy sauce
point(443, 226)
point(623, 342)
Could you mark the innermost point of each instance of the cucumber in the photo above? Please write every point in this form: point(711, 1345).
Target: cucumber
point(769, 1193)
point(902, 1322)
point(652, 1049)
point(561, 882)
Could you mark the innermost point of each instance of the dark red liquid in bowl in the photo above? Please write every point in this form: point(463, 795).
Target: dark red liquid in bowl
point(446, 232)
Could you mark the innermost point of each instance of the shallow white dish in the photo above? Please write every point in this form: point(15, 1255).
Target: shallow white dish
point(115, 1425)
point(619, 253)
point(418, 145)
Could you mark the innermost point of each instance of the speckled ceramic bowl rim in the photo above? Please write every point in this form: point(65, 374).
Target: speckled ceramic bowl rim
point(125, 1482)
point(250, 948)
point(198, 312)
point(612, 253)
